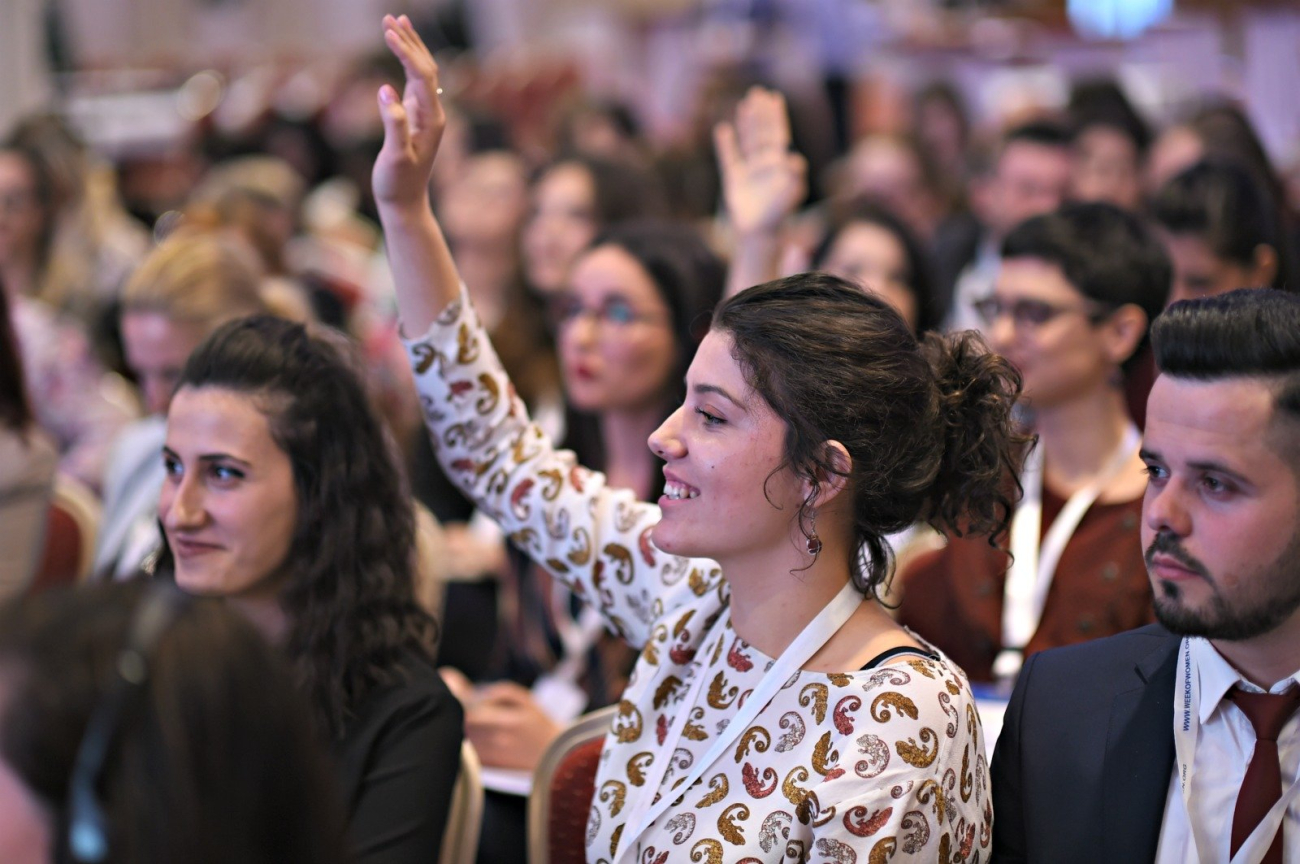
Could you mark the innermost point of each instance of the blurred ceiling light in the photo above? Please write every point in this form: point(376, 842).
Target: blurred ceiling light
point(1116, 19)
point(199, 96)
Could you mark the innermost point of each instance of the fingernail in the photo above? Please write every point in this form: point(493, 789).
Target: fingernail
point(387, 94)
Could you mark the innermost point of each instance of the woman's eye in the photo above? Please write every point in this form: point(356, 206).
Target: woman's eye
point(619, 312)
point(709, 419)
point(225, 472)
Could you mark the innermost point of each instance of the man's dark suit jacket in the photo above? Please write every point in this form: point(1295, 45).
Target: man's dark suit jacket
point(1082, 767)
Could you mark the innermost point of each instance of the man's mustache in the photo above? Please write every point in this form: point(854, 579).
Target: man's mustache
point(1167, 544)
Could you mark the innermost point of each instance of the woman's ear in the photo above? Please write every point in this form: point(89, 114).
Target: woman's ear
point(1125, 328)
point(831, 483)
point(1264, 269)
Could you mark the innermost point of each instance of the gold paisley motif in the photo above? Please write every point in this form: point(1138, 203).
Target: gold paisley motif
point(719, 788)
point(622, 561)
point(930, 789)
point(921, 667)
point(487, 403)
point(553, 482)
point(882, 851)
point(919, 756)
point(718, 698)
point(636, 767)
point(730, 831)
point(524, 538)
point(520, 454)
point(814, 696)
point(945, 848)
point(967, 778)
point(614, 794)
point(756, 737)
point(665, 691)
point(651, 650)
point(839, 679)
point(707, 852)
point(789, 786)
point(615, 837)
point(680, 624)
point(627, 723)
point(580, 554)
point(694, 731)
point(699, 585)
point(881, 704)
point(823, 755)
point(556, 566)
point(425, 355)
point(467, 346)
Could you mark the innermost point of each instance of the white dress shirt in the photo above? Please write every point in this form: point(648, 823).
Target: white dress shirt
point(1223, 751)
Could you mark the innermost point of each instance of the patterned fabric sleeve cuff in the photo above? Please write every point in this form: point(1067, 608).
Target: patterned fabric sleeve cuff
point(422, 349)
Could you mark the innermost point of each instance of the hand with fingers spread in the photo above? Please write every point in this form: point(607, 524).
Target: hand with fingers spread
point(763, 181)
point(413, 125)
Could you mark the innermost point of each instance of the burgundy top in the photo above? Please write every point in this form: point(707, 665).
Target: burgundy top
point(953, 596)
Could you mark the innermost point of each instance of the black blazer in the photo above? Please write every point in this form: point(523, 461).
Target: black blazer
point(1082, 768)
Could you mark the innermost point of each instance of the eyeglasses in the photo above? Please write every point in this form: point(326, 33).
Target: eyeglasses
point(1031, 314)
point(615, 312)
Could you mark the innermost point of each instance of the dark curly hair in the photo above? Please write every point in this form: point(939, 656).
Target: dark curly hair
point(928, 424)
point(349, 588)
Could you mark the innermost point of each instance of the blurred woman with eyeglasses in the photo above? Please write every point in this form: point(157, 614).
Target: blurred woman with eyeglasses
point(1075, 293)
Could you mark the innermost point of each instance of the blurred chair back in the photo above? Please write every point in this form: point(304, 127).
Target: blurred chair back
point(563, 786)
point(69, 535)
point(465, 819)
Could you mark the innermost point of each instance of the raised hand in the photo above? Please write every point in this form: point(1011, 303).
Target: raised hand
point(413, 125)
point(763, 181)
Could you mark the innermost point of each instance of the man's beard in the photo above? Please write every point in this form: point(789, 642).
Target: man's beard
point(1274, 598)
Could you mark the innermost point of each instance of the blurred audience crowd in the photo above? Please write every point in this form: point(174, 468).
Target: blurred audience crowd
point(594, 257)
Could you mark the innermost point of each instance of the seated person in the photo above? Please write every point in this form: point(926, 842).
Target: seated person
point(1175, 742)
point(282, 496)
point(27, 465)
point(163, 766)
point(186, 287)
point(1075, 291)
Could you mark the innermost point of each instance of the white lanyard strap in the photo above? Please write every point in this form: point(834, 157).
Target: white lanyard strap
point(816, 634)
point(1187, 729)
point(1033, 565)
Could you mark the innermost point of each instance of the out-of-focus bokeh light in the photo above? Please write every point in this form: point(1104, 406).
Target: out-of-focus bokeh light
point(1116, 19)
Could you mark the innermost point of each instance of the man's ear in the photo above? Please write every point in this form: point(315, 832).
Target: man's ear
point(1125, 328)
point(1264, 269)
point(831, 483)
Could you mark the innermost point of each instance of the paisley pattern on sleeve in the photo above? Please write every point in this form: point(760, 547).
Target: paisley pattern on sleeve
point(868, 766)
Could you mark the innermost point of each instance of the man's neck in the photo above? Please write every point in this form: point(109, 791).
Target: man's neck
point(1267, 659)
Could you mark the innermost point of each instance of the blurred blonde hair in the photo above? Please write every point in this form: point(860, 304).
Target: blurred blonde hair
point(199, 277)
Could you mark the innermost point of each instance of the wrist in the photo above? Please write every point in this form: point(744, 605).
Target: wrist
point(395, 214)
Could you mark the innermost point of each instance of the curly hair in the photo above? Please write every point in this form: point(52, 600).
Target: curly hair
point(349, 586)
point(928, 425)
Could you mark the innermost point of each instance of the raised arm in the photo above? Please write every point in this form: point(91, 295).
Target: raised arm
point(424, 274)
point(763, 182)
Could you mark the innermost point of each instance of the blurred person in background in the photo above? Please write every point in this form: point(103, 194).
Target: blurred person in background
point(573, 199)
point(27, 464)
point(1221, 232)
point(282, 496)
point(1075, 293)
point(139, 726)
point(187, 287)
point(1110, 140)
point(627, 323)
point(1030, 175)
point(80, 405)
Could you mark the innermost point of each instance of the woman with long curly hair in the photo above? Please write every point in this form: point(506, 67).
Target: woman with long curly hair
point(775, 711)
point(281, 495)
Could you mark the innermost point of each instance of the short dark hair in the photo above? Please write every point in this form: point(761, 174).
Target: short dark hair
point(349, 594)
point(1107, 254)
point(1045, 133)
point(1250, 332)
point(15, 409)
point(216, 760)
point(1221, 202)
point(927, 423)
point(1102, 102)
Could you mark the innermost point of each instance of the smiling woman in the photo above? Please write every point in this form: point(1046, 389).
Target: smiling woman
point(814, 423)
point(281, 495)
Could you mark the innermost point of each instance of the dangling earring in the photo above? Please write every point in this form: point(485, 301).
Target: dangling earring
point(814, 542)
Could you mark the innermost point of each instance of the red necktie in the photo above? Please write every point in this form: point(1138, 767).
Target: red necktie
point(1262, 785)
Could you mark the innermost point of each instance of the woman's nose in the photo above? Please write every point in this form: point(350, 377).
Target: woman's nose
point(666, 442)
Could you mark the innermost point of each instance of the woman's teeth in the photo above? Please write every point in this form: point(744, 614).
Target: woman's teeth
point(678, 491)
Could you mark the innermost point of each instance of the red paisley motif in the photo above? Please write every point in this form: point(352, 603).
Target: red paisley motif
point(859, 824)
point(738, 659)
point(842, 717)
point(460, 388)
point(661, 729)
point(753, 785)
